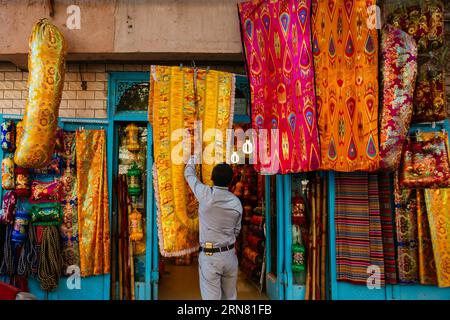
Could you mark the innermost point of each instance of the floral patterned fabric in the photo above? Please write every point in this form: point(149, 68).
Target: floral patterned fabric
point(8, 207)
point(424, 23)
point(345, 54)
point(46, 214)
point(8, 179)
point(93, 202)
point(45, 191)
point(429, 98)
point(8, 136)
point(46, 60)
point(277, 44)
point(437, 204)
point(22, 181)
point(69, 226)
point(427, 265)
point(54, 167)
point(426, 163)
point(399, 70)
point(406, 233)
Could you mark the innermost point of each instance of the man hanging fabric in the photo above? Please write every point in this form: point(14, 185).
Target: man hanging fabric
point(220, 214)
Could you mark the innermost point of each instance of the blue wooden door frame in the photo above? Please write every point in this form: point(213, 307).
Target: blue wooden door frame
point(146, 290)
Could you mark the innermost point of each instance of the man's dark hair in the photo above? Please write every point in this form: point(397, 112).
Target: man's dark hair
point(222, 175)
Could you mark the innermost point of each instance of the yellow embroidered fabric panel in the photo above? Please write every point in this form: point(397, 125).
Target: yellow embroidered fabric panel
point(437, 203)
point(92, 193)
point(178, 98)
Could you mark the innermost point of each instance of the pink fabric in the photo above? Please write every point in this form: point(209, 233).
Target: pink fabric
point(277, 45)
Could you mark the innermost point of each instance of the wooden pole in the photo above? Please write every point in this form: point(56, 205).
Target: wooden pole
point(324, 241)
point(125, 238)
point(113, 249)
point(314, 242)
point(316, 237)
point(119, 234)
point(309, 264)
point(131, 259)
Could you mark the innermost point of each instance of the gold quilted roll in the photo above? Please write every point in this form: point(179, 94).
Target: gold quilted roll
point(46, 66)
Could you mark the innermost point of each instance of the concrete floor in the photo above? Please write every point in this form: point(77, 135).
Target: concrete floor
point(181, 283)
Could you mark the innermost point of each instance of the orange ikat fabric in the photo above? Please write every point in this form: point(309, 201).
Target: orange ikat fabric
point(345, 54)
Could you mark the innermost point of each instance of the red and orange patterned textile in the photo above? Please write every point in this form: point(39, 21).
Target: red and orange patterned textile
point(276, 38)
point(345, 54)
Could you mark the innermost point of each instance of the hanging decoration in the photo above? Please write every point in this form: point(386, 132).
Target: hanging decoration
point(134, 180)
point(8, 208)
point(345, 54)
point(132, 131)
point(8, 136)
point(206, 96)
point(8, 179)
point(22, 182)
point(45, 84)
point(278, 52)
point(43, 192)
point(47, 214)
point(135, 225)
point(20, 230)
point(399, 70)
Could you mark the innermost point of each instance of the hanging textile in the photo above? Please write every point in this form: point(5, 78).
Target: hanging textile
point(425, 23)
point(346, 67)
point(358, 227)
point(429, 95)
point(406, 233)
point(277, 44)
point(69, 227)
point(427, 266)
point(399, 70)
point(437, 204)
point(176, 102)
point(387, 227)
point(92, 194)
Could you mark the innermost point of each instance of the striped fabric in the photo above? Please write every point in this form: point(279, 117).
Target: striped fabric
point(387, 228)
point(358, 227)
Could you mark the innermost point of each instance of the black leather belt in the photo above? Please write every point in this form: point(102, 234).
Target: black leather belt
point(215, 250)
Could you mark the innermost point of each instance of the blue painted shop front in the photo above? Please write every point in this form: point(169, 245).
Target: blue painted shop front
point(278, 209)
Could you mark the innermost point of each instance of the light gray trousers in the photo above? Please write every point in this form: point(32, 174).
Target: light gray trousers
point(218, 275)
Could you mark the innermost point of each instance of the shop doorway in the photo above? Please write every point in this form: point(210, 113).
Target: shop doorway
point(179, 277)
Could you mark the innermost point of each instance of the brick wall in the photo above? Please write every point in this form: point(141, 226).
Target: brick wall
point(76, 102)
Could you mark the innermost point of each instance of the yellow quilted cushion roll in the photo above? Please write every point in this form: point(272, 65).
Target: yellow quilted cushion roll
point(46, 66)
